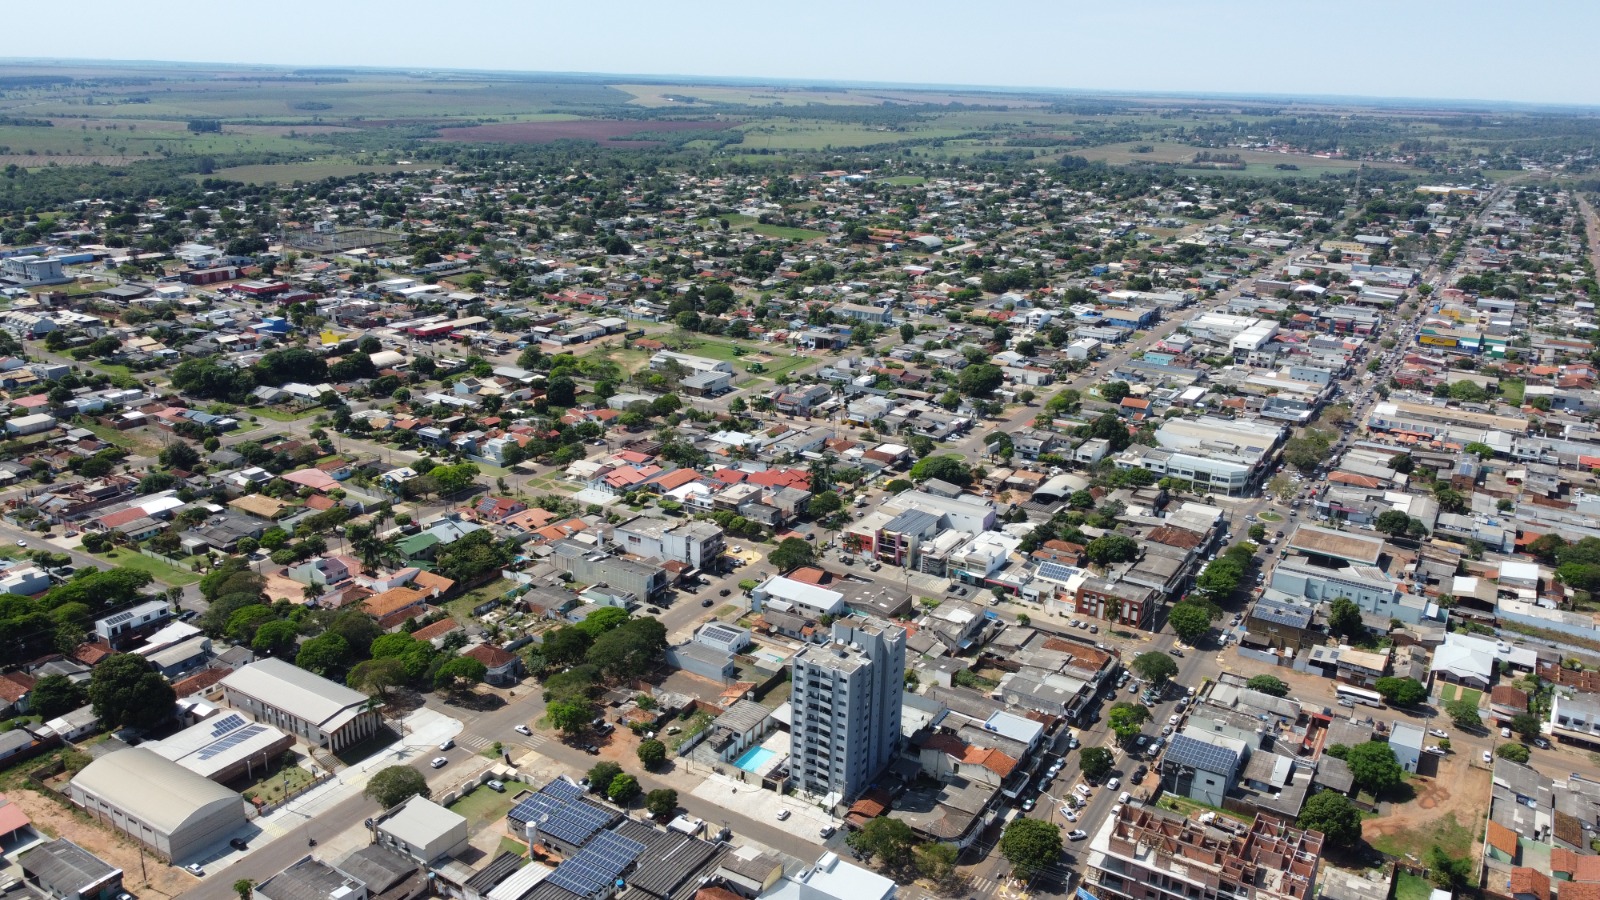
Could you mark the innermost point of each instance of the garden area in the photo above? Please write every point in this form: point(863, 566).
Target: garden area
point(482, 807)
point(283, 779)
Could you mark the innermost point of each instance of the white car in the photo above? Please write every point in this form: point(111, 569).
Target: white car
point(195, 870)
point(783, 814)
point(1438, 732)
point(1083, 790)
point(1071, 816)
point(1125, 797)
point(1436, 750)
point(1077, 834)
point(1114, 783)
point(1487, 758)
point(439, 762)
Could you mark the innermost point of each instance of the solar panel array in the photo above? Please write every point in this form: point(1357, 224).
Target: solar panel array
point(1186, 751)
point(559, 811)
point(598, 865)
point(230, 741)
point(1281, 614)
point(226, 724)
point(1056, 571)
point(119, 618)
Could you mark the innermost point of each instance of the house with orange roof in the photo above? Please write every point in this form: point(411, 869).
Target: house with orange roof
point(1500, 843)
point(394, 600)
point(529, 520)
point(1530, 884)
point(558, 530)
point(503, 667)
point(436, 631)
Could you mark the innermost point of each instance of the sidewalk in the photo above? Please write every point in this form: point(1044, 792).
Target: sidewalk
point(425, 729)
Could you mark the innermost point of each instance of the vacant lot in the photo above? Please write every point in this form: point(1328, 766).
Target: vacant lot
point(611, 132)
point(1447, 811)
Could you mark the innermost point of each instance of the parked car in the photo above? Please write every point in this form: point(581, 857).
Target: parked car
point(1439, 732)
point(192, 868)
point(1487, 759)
point(706, 603)
point(827, 831)
point(783, 815)
point(1114, 783)
point(499, 787)
point(238, 844)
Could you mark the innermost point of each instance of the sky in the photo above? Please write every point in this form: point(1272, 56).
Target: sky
point(1511, 50)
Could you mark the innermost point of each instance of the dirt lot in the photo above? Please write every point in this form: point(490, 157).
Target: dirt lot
point(606, 131)
point(57, 819)
point(1447, 810)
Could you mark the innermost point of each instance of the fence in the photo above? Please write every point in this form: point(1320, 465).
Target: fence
point(263, 809)
point(177, 563)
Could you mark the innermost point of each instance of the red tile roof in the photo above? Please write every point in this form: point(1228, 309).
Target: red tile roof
point(1526, 882)
point(1502, 838)
point(491, 656)
point(437, 629)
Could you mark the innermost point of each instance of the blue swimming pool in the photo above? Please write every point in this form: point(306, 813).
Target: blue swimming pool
point(754, 758)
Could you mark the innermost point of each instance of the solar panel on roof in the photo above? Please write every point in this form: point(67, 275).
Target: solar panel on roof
point(1187, 751)
point(1056, 571)
point(562, 789)
point(231, 741)
point(226, 724)
point(119, 618)
point(595, 868)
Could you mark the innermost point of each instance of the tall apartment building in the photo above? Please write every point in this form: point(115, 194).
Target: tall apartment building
point(846, 700)
point(1146, 853)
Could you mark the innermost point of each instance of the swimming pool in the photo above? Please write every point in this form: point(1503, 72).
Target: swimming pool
point(754, 758)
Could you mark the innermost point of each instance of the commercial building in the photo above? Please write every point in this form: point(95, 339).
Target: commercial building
point(846, 700)
point(1146, 853)
point(174, 812)
point(223, 746)
point(692, 543)
point(323, 713)
point(666, 359)
point(422, 830)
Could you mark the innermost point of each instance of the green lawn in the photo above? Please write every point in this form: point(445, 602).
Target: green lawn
point(1448, 692)
point(1411, 887)
point(722, 348)
point(482, 807)
point(904, 180)
point(272, 785)
point(1512, 390)
point(127, 559)
point(282, 415)
point(738, 221)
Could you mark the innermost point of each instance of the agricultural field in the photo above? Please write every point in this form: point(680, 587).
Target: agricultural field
point(607, 132)
point(106, 141)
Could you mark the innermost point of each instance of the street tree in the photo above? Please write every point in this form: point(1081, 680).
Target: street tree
point(652, 753)
point(1155, 667)
point(661, 802)
point(623, 788)
point(1401, 691)
point(568, 717)
point(1515, 752)
point(1464, 713)
point(1190, 621)
point(1030, 845)
point(1268, 684)
point(1095, 763)
point(601, 775)
point(791, 553)
point(394, 785)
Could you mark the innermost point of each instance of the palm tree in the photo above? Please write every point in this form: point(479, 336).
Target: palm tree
point(244, 887)
point(311, 592)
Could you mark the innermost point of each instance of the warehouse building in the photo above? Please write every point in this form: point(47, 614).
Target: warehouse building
point(169, 809)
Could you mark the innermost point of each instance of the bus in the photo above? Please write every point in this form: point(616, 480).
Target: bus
point(1358, 696)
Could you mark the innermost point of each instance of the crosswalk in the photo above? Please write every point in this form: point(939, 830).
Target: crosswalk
point(477, 742)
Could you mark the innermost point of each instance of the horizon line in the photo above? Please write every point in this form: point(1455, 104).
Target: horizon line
point(1407, 102)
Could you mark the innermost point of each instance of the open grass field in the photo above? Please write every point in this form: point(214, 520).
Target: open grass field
point(657, 96)
point(1259, 163)
point(288, 173)
point(1411, 887)
point(135, 140)
point(740, 222)
point(782, 359)
point(608, 132)
point(128, 559)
